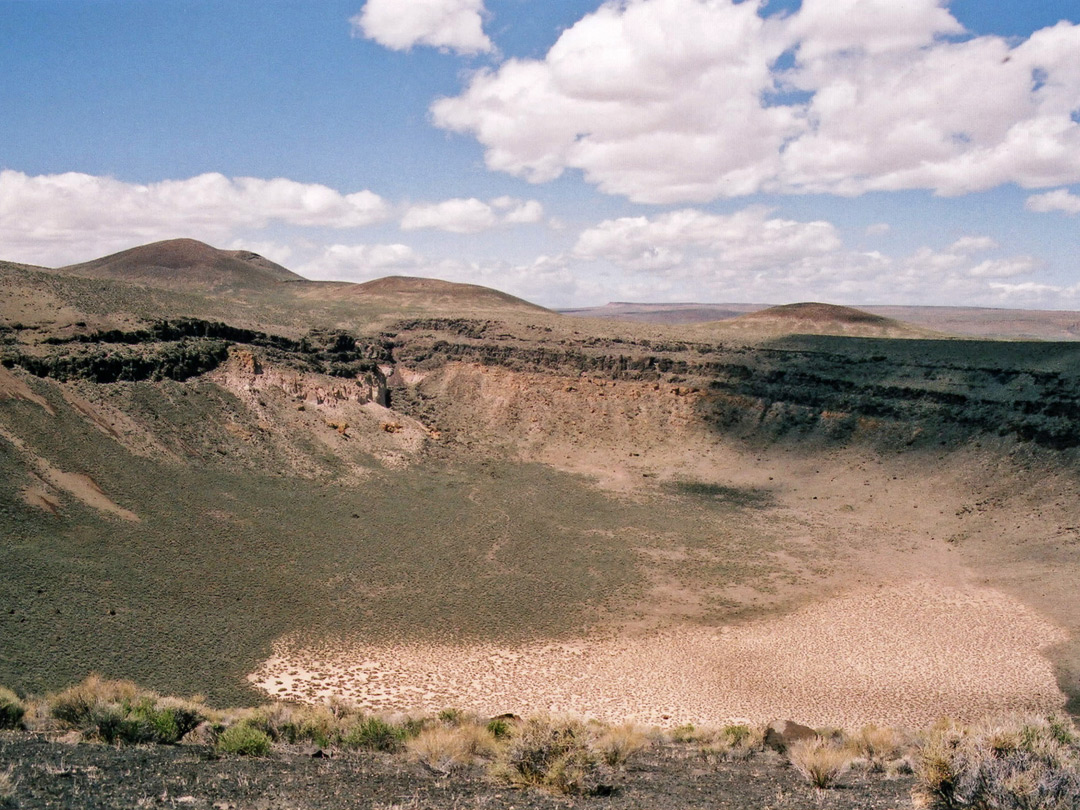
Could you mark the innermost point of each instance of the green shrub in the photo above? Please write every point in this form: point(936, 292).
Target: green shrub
point(499, 728)
point(118, 712)
point(11, 709)
point(685, 733)
point(244, 740)
point(737, 734)
point(732, 742)
point(375, 734)
point(451, 717)
point(290, 723)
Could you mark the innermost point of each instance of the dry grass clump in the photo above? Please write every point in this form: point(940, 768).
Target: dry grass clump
point(881, 749)
point(75, 705)
point(445, 749)
point(617, 744)
point(12, 709)
point(1014, 764)
point(550, 754)
point(295, 723)
point(120, 712)
point(7, 789)
point(733, 742)
point(818, 761)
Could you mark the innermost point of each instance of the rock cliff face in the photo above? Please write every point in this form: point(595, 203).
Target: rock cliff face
point(248, 374)
point(810, 387)
point(500, 384)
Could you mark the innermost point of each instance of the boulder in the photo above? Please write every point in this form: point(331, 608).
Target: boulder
point(781, 734)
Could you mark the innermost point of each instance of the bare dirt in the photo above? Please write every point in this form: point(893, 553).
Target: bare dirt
point(903, 656)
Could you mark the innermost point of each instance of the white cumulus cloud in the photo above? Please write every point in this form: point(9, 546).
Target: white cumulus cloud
point(753, 255)
point(523, 212)
point(1005, 268)
point(471, 215)
point(1058, 200)
point(400, 24)
point(745, 240)
point(361, 262)
point(966, 245)
point(675, 101)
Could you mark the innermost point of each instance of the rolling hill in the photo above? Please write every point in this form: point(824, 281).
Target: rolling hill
point(186, 264)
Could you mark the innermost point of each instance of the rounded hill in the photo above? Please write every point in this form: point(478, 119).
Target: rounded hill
point(812, 317)
point(431, 293)
point(186, 264)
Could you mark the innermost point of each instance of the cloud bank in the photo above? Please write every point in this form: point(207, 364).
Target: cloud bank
point(42, 218)
point(750, 254)
point(677, 101)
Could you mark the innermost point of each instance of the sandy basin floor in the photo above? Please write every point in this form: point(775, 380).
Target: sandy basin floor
point(891, 655)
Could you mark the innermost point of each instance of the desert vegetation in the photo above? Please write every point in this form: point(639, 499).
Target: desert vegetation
point(1012, 762)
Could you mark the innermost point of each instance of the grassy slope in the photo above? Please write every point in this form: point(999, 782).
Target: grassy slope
point(227, 559)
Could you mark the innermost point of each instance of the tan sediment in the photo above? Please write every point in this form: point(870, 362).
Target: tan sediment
point(902, 655)
point(78, 485)
point(11, 387)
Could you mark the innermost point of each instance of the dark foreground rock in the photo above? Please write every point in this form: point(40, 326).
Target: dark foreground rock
point(48, 774)
point(782, 734)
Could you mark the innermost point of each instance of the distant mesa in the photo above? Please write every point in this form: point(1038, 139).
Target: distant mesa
point(186, 263)
point(812, 318)
point(433, 291)
point(814, 312)
point(669, 313)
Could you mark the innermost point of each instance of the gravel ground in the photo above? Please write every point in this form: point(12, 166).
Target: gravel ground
point(49, 774)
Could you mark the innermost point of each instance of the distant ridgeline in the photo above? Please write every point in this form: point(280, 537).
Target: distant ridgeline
point(913, 391)
point(186, 347)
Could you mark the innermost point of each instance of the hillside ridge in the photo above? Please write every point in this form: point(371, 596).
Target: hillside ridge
point(185, 263)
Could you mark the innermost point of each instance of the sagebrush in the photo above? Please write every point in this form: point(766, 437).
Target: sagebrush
point(1015, 764)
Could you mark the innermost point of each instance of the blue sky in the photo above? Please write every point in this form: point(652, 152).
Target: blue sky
point(572, 152)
